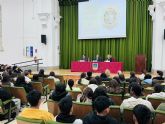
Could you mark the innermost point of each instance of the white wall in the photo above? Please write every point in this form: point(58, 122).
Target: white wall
point(23, 22)
point(157, 11)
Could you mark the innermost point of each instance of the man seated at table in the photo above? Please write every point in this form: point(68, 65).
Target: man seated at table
point(109, 58)
point(84, 58)
point(98, 58)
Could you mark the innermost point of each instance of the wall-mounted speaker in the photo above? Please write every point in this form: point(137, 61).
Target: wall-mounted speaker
point(43, 39)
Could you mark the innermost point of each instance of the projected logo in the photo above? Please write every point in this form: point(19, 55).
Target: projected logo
point(110, 18)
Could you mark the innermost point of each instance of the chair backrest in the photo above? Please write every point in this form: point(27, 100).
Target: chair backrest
point(19, 92)
point(50, 83)
point(53, 107)
point(73, 93)
point(117, 98)
point(148, 90)
point(38, 86)
point(61, 78)
point(156, 102)
point(81, 109)
point(128, 116)
point(115, 112)
point(159, 117)
point(81, 86)
point(7, 88)
point(22, 120)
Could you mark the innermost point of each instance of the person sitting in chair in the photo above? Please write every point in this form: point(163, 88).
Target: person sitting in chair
point(109, 58)
point(98, 58)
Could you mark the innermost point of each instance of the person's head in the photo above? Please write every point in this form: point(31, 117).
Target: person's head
point(20, 79)
point(41, 72)
point(121, 77)
point(52, 74)
point(141, 114)
point(35, 77)
point(133, 79)
point(160, 73)
point(30, 71)
point(97, 55)
point(101, 105)
point(5, 78)
point(26, 73)
point(147, 76)
point(87, 93)
point(132, 74)
point(116, 78)
point(103, 75)
point(93, 81)
point(89, 74)
point(100, 91)
point(135, 90)
point(60, 88)
point(83, 75)
point(107, 72)
point(113, 83)
point(71, 83)
point(34, 98)
point(158, 88)
point(99, 80)
point(65, 105)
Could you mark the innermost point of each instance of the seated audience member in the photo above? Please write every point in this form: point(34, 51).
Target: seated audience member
point(17, 70)
point(100, 114)
point(6, 80)
point(34, 99)
point(104, 77)
point(70, 86)
point(132, 77)
point(97, 58)
point(20, 82)
point(101, 91)
point(52, 76)
point(135, 99)
point(30, 75)
point(158, 92)
point(147, 79)
point(141, 114)
point(59, 93)
point(41, 73)
point(108, 73)
point(66, 108)
point(86, 96)
point(83, 79)
point(27, 79)
point(141, 77)
point(99, 80)
point(93, 84)
point(35, 78)
point(121, 78)
point(109, 58)
point(89, 75)
point(160, 76)
point(114, 87)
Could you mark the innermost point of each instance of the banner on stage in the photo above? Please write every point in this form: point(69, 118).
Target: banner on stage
point(95, 66)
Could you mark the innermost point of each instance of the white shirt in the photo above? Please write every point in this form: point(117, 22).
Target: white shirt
point(156, 95)
point(93, 87)
point(132, 102)
point(27, 79)
point(84, 81)
point(55, 79)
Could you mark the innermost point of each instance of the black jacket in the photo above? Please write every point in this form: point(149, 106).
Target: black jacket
point(63, 118)
point(92, 118)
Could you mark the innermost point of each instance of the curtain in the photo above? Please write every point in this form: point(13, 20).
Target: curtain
point(138, 40)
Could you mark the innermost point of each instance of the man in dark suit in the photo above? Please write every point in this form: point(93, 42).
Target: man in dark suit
point(98, 58)
point(84, 57)
point(109, 58)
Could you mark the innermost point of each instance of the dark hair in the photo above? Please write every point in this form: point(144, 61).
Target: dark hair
point(5, 78)
point(83, 75)
point(142, 114)
point(137, 89)
point(147, 76)
point(132, 74)
point(100, 91)
point(158, 88)
point(33, 97)
point(89, 74)
point(60, 88)
point(117, 79)
point(52, 74)
point(101, 103)
point(30, 71)
point(26, 73)
point(121, 77)
point(65, 105)
point(41, 72)
point(103, 75)
point(160, 73)
point(99, 80)
point(71, 83)
point(20, 79)
point(113, 83)
point(35, 77)
point(93, 81)
point(87, 93)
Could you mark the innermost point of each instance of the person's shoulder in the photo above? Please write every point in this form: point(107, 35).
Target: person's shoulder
point(112, 120)
point(78, 121)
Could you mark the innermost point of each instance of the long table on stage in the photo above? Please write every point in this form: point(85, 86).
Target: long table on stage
point(114, 67)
